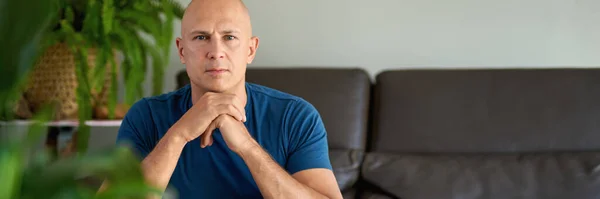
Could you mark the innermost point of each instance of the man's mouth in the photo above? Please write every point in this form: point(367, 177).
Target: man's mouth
point(216, 71)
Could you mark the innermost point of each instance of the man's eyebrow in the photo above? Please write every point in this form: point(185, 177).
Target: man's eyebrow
point(202, 32)
point(199, 32)
point(229, 31)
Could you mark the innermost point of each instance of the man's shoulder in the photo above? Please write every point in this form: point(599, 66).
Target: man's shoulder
point(162, 102)
point(173, 96)
point(270, 93)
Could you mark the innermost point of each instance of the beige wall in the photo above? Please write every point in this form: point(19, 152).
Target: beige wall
point(386, 34)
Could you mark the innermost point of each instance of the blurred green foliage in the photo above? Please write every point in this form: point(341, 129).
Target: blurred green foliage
point(27, 28)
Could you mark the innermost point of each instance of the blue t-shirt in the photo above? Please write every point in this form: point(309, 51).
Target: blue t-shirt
point(289, 128)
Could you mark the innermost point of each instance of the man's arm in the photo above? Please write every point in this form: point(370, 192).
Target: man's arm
point(274, 182)
point(159, 164)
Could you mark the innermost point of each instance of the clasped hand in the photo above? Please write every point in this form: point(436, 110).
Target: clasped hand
point(215, 111)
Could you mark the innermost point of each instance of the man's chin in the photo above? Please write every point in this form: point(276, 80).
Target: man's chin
point(217, 86)
point(221, 85)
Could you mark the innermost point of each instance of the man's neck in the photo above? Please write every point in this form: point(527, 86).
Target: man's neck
point(239, 90)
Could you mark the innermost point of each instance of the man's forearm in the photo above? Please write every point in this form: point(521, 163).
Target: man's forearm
point(272, 180)
point(159, 165)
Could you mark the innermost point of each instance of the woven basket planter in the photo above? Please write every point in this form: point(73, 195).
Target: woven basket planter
point(54, 81)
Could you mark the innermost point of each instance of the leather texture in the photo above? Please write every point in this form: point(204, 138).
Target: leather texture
point(349, 194)
point(494, 110)
point(346, 166)
point(490, 176)
point(373, 195)
point(495, 133)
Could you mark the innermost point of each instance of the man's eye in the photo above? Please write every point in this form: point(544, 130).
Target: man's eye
point(229, 37)
point(200, 37)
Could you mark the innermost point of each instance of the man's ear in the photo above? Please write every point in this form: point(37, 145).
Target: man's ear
point(253, 47)
point(179, 43)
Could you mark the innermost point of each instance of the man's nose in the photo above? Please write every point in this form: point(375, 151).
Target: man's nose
point(215, 50)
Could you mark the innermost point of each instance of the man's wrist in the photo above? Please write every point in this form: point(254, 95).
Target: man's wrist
point(249, 147)
point(175, 138)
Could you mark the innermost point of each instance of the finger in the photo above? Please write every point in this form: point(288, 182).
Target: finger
point(240, 106)
point(206, 139)
point(230, 109)
point(232, 99)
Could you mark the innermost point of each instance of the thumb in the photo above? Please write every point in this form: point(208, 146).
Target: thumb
point(206, 139)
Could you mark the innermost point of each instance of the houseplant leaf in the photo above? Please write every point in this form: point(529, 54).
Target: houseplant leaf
point(20, 45)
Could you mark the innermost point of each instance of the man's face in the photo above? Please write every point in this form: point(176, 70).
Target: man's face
point(216, 44)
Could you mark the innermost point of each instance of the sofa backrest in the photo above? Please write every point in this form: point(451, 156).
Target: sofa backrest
point(487, 110)
point(495, 133)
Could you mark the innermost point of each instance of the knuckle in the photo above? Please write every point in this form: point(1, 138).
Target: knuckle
point(207, 95)
point(230, 107)
point(232, 110)
point(212, 111)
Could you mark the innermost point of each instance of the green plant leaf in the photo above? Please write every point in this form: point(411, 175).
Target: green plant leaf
point(83, 94)
point(11, 164)
point(134, 69)
point(83, 99)
point(148, 22)
point(68, 31)
point(92, 23)
point(157, 66)
point(176, 8)
point(99, 72)
point(128, 189)
point(108, 13)
point(63, 178)
point(37, 130)
point(69, 14)
point(20, 45)
point(12, 154)
point(167, 30)
point(112, 94)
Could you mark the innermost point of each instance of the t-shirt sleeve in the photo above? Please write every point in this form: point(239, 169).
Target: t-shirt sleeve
point(308, 147)
point(135, 130)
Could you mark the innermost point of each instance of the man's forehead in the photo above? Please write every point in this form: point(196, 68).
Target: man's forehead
point(219, 25)
point(222, 15)
point(221, 29)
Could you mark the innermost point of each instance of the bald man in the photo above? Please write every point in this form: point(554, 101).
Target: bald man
point(220, 136)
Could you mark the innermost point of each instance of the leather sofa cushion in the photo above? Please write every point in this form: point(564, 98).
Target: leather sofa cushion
point(349, 194)
point(490, 176)
point(373, 195)
point(487, 110)
point(340, 95)
point(346, 166)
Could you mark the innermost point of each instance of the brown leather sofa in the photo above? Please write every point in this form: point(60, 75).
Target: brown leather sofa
point(464, 134)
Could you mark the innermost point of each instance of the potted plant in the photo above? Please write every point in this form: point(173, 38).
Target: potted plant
point(90, 43)
point(38, 176)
